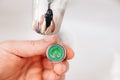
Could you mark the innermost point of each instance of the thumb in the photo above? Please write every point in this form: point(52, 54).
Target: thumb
point(28, 48)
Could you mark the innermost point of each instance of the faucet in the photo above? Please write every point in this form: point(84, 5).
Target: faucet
point(48, 16)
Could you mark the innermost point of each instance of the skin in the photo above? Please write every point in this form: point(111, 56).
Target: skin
point(26, 60)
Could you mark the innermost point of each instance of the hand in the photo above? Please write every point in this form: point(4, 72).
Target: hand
point(26, 60)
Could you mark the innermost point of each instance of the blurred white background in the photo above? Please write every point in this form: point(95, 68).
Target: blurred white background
point(90, 27)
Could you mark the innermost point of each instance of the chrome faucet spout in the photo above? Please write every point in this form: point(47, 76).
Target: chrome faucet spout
point(48, 16)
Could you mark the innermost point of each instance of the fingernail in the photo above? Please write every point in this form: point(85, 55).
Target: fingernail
point(49, 38)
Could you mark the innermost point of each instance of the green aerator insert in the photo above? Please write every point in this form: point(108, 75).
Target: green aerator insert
point(56, 53)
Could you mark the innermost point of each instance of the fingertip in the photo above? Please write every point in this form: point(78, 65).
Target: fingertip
point(45, 43)
point(51, 39)
point(69, 52)
point(55, 38)
point(61, 68)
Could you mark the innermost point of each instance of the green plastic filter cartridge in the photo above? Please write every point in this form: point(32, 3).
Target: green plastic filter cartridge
point(56, 53)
